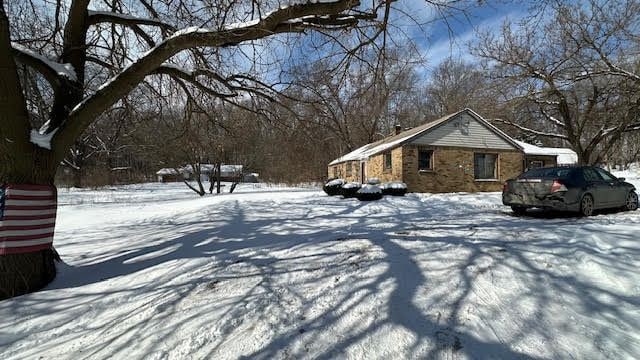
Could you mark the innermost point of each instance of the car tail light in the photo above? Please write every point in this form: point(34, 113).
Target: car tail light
point(557, 186)
point(505, 187)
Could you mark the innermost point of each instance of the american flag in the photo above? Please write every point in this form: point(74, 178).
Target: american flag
point(27, 217)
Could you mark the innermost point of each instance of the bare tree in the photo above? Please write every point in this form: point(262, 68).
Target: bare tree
point(358, 108)
point(93, 58)
point(570, 76)
point(454, 85)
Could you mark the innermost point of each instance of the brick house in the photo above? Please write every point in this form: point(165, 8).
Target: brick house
point(460, 152)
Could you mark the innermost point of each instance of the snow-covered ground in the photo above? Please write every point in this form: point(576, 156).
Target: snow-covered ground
point(153, 271)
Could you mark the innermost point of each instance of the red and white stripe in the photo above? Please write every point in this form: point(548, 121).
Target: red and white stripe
point(28, 220)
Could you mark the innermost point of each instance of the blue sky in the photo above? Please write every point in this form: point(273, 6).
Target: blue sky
point(440, 39)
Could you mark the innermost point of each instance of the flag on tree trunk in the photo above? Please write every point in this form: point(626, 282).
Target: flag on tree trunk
point(27, 217)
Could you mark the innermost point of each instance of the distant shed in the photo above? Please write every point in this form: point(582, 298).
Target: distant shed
point(207, 171)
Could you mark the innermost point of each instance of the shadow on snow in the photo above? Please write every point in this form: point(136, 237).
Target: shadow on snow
point(318, 278)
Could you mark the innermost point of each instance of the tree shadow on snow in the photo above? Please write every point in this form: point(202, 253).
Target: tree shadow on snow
point(324, 277)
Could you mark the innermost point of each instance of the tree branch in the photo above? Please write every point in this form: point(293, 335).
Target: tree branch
point(531, 131)
point(54, 72)
point(97, 17)
point(275, 22)
point(190, 78)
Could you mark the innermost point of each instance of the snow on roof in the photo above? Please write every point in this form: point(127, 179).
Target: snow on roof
point(204, 168)
point(564, 156)
point(166, 171)
point(230, 168)
point(392, 141)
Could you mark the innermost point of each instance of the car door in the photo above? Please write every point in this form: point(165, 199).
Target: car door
point(595, 185)
point(616, 191)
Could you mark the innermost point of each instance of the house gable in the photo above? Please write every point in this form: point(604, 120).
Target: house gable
point(467, 131)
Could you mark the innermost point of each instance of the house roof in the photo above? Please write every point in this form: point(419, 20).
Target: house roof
point(564, 156)
point(406, 136)
point(204, 168)
point(166, 171)
point(230, 168)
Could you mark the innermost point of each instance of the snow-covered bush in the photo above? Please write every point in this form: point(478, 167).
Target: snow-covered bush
point(369, 192)
point(373, 181)
point(333, 187)
point(350, 189)
point(395, 188)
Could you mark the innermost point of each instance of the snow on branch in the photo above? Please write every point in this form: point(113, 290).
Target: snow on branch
point(276, 21)
point(41, 139)
point(532, 131)
point(50, 69)
point(620, 128)
point(552, 118)
point(632, 127)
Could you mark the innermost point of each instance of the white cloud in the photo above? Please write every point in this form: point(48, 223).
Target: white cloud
point(457, 45)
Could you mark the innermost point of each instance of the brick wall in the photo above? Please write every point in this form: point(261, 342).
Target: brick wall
point(341, 171)
point(375, 166)
point(453, 170)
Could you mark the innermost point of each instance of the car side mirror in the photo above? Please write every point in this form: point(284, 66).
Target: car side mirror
point(622, 179)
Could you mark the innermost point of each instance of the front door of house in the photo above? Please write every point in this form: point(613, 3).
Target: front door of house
point(363, 175)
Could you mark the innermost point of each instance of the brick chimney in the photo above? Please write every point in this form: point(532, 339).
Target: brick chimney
point(398, 129)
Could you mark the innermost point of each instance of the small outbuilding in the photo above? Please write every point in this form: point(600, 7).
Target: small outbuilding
point(169, 175)
point(207, 171)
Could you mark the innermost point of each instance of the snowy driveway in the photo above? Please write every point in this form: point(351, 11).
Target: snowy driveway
point(295, 274)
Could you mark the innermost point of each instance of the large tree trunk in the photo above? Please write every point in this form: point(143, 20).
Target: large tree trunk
point(26, 272)
point(21, 162)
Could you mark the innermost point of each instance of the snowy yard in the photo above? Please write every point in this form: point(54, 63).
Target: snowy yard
point(152, 271)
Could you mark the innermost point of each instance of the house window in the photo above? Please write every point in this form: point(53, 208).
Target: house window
point(387, 161)
point(425, 160)
point(485, 166)
point(349, 170)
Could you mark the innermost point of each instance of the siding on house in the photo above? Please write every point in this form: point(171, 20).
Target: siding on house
point(454, 132)
point(453, 169)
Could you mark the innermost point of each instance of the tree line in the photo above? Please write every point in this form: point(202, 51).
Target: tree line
point(567, 76)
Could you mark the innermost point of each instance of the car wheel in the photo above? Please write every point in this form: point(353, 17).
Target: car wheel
point(519, 210)
point(631, 203)
point(586, 205)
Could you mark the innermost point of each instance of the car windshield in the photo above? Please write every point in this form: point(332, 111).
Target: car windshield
point(547, 173)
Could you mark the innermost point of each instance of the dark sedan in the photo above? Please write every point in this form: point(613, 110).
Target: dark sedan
point(580, 189)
